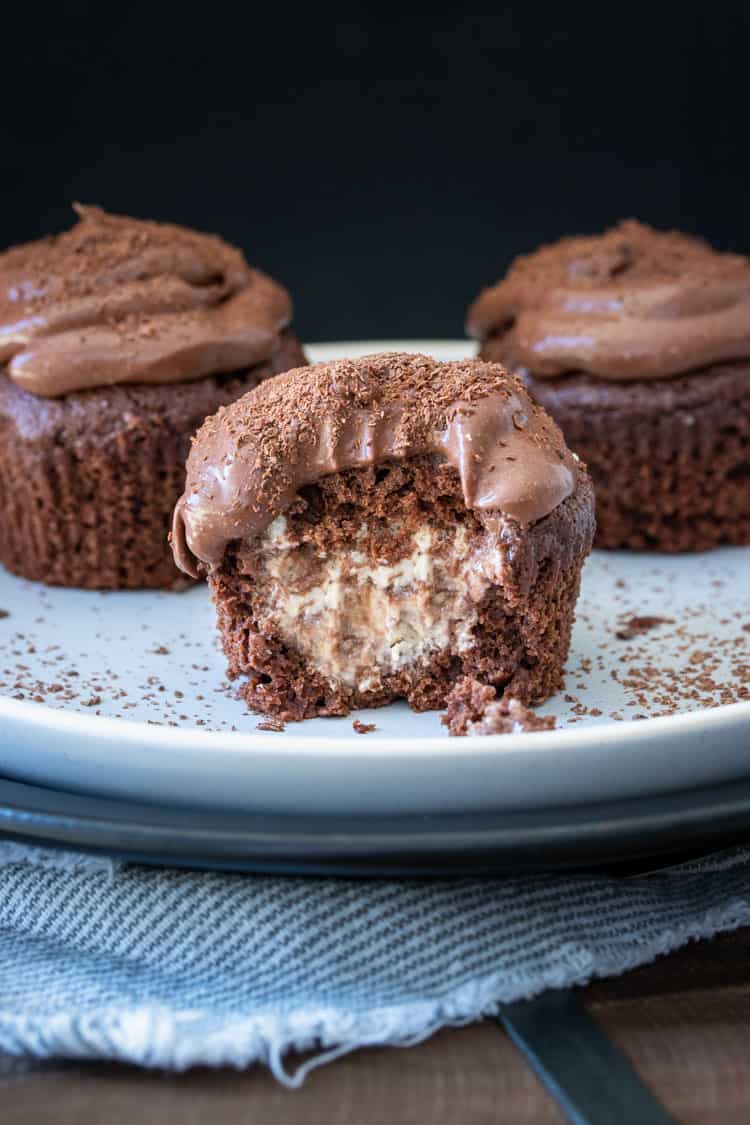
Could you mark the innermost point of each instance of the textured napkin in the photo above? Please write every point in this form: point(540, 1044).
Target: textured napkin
point(171, 968)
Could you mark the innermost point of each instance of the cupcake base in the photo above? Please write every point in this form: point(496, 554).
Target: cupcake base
point(669, 458)
point(379, 584)
point(88, 481)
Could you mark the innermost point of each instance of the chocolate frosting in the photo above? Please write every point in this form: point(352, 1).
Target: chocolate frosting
point(118, 300)
point(633, 303)
point(250, 459)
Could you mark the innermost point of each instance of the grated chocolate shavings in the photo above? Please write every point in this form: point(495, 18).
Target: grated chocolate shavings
point(635, 626)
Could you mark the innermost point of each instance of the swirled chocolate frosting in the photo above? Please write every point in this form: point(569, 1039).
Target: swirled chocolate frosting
point(250, 459)
point(633, 303)
point(119, 300)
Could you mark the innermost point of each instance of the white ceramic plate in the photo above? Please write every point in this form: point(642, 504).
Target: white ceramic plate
point(124, 695)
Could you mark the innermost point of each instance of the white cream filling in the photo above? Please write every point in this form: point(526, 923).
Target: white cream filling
point(362, 618)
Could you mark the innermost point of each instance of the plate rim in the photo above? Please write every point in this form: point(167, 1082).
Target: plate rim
point(611, 831)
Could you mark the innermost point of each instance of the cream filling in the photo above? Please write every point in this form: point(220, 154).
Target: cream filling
point(355, 619)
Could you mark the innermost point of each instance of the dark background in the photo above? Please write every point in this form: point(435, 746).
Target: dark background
point(384, 166)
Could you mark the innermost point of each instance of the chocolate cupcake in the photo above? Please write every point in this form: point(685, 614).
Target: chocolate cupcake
point(638, 344)
point(117, 339)
point(379, 528)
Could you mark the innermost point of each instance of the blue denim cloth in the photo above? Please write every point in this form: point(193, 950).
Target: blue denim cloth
point(170, 968)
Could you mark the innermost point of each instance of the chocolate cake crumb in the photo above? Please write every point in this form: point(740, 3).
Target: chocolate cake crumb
point(161, 650)
point(4, 613)
point(635, 626)
point(272, 724)
point(363, 728)
point(473, 708)
point(94, 701)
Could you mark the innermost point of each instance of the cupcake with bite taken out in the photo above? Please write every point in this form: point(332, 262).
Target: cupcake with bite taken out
point(117, 338)
point(637, 342)
point(382, 528)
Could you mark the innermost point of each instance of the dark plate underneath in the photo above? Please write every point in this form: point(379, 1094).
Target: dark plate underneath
point(621, 832)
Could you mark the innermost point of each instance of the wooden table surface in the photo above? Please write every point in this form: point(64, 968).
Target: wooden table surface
point(684, 1022)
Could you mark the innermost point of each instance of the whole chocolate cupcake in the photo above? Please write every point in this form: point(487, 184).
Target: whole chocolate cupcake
point(382, 527)
point(117, 339)
point(638, 343)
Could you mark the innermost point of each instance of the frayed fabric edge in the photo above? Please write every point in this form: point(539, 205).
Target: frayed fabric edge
point(157, 1038)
